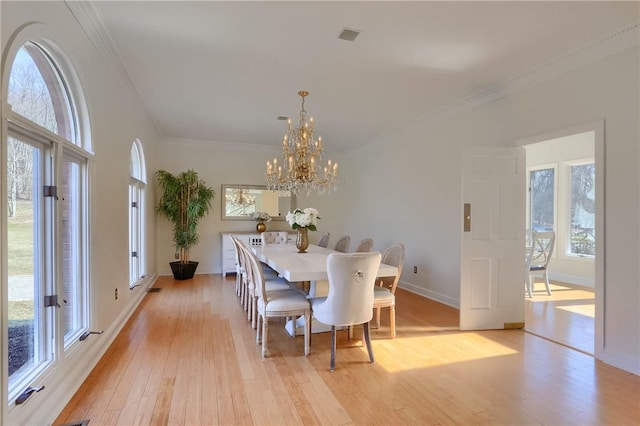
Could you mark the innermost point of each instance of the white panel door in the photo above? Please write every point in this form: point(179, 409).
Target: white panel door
point(493, 229)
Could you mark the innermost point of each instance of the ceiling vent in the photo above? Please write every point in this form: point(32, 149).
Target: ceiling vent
point(348, 34)
point(283, 118)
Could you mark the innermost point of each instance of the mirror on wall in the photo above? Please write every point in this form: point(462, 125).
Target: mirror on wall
point(239, 202)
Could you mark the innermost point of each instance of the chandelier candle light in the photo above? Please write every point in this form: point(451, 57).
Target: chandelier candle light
point(301, 155)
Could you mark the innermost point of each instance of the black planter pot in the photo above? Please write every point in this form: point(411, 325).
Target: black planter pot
point(183, 271)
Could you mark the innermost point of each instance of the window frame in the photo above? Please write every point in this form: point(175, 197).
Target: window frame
point(69, 151)
point(67, 88)
point(137, 188)
point(568, 165)
point(535, 168)
point(43, 318)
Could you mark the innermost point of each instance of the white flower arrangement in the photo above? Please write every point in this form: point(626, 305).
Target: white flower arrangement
point(307, 218)
point(261, 217)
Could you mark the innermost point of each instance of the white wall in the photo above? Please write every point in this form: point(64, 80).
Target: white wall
point(412, 180)
point(559, 153)
point(217, 164)
point(116, 120)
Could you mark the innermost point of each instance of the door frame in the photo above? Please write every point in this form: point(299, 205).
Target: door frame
point(598, 128)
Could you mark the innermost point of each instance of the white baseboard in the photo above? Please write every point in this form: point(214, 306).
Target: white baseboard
point(438, 297)
point(572, 279)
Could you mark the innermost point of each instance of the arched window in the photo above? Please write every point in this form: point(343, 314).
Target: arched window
point(47, 178)
point(37, 92)
point(137, 184)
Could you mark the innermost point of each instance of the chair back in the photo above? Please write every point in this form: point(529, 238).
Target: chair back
point(351, 280)
point(245, 267)
point(324, 240)
point(237, 254)
point(364, 246)
point(256, 274)
point(342, 245)
point(543, 243)
point(393, 256)
point(274, 237)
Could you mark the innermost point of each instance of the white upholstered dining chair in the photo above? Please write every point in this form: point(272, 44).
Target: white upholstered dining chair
point(342, 245)
point(274, 237)
point(287, 303)
point(324, 240)
point(239, 269)
point(364, 246)
point(271, 282)
point(352, 277)
point(384, 294)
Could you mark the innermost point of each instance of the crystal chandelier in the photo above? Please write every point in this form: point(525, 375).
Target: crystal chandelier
point(301, 156)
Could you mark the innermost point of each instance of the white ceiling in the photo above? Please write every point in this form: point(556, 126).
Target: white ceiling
point(224, 71)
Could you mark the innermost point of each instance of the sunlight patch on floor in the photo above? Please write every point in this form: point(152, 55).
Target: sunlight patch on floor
point(559, 292)
point(438, 350)
point(587, 310)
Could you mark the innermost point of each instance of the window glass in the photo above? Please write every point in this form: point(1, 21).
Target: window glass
point(136, 213)
point(72, 244)
point(37, 92)
point(25, 238)
point(583, 233)
point(542, 187)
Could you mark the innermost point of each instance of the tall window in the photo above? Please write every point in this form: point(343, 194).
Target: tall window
point(136, 213)
point(46, 168)
point(542, 193)
point(583, 209)
point(26, 250)
point(72, 203)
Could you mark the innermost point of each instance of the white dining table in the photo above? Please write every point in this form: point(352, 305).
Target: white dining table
point(302, 267)
point(309, 266)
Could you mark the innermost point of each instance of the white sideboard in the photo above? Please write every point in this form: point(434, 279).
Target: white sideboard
point(250, 238)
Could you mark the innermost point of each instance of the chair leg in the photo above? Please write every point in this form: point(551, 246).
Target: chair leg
point(265, 335)
point(258, 329)
point(294, 322)
point(378, 317)
point(245, 296)
point(254, 311)
point(307, 333)
point(528, 285)
point(392, 320)
point(546, 282)
point(332, 366)
point(367, 339)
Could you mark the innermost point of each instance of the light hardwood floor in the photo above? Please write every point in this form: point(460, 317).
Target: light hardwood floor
point(567, 316)
point(188, 356)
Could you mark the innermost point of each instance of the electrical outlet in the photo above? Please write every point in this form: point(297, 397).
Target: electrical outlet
point(177, 255)
point(116, 294)
point(415, 269)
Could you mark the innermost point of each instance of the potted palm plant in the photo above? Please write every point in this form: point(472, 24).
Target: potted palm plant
point(184, 200)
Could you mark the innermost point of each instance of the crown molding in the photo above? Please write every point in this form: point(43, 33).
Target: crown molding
point(88, 15)
point(618, 41)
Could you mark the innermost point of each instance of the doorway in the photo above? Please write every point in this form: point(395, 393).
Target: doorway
point(562, 197)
